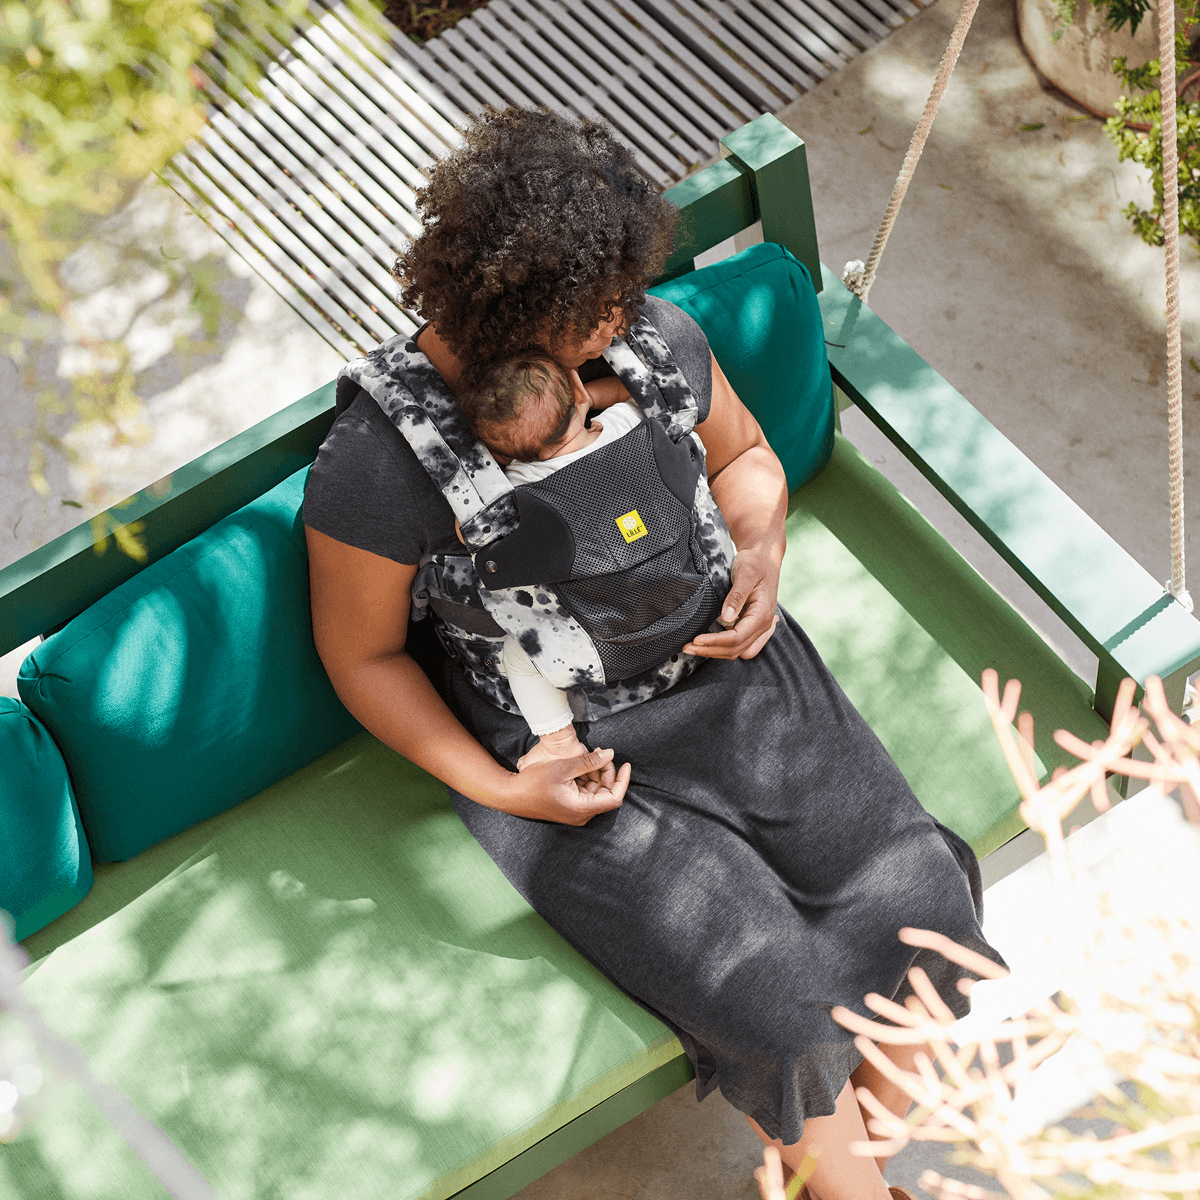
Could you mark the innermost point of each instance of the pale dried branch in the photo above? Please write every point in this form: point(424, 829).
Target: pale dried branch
point(1134, 995)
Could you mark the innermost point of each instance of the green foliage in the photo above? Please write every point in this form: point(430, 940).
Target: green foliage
point(95, 97)
point(1116, 13)
point(1142, 106)
point(1120, 12)
point(1147, 150)
point(425, 19)
point(1145, 146)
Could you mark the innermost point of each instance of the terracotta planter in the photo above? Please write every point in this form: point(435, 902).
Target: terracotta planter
point(1080, 62)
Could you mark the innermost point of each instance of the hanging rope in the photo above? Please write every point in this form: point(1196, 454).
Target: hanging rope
point(857, 276)
point(1170, 142)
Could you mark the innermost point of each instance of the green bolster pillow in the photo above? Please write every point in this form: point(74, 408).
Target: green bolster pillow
point(763, 322)
point(45, 867)
point(192, 686)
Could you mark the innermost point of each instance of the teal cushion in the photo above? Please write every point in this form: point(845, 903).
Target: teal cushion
point(45, 867)
point(192, 686)
point(763, 322)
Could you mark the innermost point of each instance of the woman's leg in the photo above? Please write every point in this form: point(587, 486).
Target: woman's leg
point(839, 1175)
point(887, 1093)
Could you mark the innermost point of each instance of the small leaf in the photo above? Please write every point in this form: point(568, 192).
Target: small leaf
point(127, 539)
point(1032, 126)
point(946, 186)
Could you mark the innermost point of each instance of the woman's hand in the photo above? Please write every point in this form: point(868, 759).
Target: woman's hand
point(360, 605)
point(570, 791)
point(749, 615)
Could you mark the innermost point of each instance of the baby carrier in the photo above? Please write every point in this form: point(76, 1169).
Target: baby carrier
point(603, 571)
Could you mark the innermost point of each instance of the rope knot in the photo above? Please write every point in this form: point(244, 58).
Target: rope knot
point(854, 275)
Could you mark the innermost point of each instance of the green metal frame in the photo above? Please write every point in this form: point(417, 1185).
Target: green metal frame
point(1111, 602)
point(589, 1127)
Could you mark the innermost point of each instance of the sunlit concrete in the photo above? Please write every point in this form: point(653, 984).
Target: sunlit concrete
point(196, 387)
point(1013, 271)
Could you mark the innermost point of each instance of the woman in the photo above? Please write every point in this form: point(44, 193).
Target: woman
point(749, 863)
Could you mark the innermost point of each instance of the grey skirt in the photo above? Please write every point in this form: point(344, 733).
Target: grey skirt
point(766, 854)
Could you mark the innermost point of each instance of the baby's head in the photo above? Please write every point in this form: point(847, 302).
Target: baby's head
point(527, 407)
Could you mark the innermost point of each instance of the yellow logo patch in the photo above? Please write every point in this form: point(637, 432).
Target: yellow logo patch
point(631, 526)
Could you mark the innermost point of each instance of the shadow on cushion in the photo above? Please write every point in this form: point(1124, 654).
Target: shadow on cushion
point(45, 867)
point(192, 686)
point(763, 322)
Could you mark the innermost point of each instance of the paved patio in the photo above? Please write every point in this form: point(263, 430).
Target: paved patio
point(1011, 270)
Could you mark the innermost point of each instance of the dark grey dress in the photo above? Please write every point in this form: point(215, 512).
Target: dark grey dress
point(766, 854)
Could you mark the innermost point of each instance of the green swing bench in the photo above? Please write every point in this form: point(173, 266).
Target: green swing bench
point(293, 957)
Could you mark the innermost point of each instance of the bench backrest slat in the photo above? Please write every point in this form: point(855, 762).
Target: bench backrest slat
point(58, 580)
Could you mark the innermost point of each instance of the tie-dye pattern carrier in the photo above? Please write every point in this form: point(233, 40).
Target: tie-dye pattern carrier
point(473, 619)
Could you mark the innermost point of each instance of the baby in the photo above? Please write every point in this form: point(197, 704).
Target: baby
point(533, 416)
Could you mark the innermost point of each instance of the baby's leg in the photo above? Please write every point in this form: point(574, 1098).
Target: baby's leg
point(545, 708)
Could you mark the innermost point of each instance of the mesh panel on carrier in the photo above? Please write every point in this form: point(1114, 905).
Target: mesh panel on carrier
point(642, 599)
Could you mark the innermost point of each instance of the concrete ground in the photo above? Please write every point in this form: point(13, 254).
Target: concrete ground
point(197, 388)
point(1011, 269)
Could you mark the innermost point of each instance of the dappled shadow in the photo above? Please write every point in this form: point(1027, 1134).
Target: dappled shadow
point(924, 707)
point(336, 979)
point(1010, 270)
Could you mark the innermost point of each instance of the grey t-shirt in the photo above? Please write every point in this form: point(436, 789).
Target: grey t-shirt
point(368, 490)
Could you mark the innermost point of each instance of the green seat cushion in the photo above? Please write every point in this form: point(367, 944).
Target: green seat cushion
point(329, 991)
point(907, 627)
point(193, 685)
point(45, 867)
point(763, 322)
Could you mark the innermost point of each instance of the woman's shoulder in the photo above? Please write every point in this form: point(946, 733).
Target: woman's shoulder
point(675, 325)
point(366, 488)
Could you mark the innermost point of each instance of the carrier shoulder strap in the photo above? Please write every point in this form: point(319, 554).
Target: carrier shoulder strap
point(415, 398)
point(643, 362)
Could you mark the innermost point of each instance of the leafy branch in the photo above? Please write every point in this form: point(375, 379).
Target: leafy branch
point(1131, 952)
point(96, 96)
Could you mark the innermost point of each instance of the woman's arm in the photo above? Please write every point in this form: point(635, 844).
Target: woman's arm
point(749, 485)
point(606, 391)
point(360, 605)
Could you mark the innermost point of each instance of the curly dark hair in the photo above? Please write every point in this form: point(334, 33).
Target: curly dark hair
point(495, 404)
point(537, 228)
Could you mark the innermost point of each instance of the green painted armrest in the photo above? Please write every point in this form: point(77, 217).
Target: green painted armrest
point(765, 178)
point(1106, 597)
